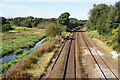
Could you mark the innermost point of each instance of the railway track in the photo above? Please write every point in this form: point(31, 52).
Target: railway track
point(69, 63)
point(105, 70)
point(65, 64)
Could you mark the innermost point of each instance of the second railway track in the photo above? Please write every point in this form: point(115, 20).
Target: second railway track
point(106, 71)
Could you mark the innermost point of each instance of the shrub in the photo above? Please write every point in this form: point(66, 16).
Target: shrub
point(53, 29)
point(94, 34)
point(19, 51)
point(57, 40)
point(17, 73)
point(46, 39)
point(116, 47)
point(33, 59)
point(6, 27)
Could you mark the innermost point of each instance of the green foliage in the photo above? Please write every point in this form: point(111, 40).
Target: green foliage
point(53, 29)
point(7, 65)
point(28, 23)
point(73, 22)
point(19, 51)
point(81, 22)
point(18, 21)
point(63, 19)
point(116, 42)
point(6, 27)
point(43, 25)
point(46, 39)
point(98, 17)
point(106, 19)
point(2, 21)
point(94, 34)
point(15, 27)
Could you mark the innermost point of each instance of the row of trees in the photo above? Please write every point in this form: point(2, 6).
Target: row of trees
point(63, 23)
point(28, 22)
point(31, 22)
point(64, 19)
point(105, 19)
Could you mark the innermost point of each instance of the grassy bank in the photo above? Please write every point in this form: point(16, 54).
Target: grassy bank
point(20, 39)
point(34, 66)
point(107, 43)
point(7, 65)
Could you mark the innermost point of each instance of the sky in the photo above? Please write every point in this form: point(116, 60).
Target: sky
point(49, 8)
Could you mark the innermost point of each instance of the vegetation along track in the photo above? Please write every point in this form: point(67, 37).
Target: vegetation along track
point(105, 70)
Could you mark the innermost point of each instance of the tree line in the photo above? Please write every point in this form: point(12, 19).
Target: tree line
point(105, 19)
point(31, 22)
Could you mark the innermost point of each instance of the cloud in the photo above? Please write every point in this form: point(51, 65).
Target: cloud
point(59, 0)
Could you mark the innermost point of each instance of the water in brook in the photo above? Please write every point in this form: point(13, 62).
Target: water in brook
point(11, 57)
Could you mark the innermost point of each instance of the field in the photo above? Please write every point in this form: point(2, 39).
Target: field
point(18, 39)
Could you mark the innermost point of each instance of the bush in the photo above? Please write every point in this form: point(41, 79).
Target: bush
point(19, 51)
point(6, 27)
point(116, 47)
point(43, 25)
point(46, 39)
point(53, 29)
point(94, 34)
point(57, 40)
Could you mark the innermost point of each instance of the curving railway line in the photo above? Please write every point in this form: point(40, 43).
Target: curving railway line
point(73, 62)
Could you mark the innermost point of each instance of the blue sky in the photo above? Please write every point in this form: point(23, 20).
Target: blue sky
point(48, 9)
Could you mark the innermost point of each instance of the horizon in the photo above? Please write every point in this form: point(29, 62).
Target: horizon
point(78, 10)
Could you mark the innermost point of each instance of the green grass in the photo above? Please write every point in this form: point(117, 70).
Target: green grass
point(15, 27)
point(109, 40)
point(24, 39)
point(18, 51)
point(46, 39)
point(13, 31)
point(94, 34)
point(7, 65)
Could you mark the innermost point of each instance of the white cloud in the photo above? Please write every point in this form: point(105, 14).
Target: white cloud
point(59, 0)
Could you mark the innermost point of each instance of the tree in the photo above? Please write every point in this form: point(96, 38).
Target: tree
point(73, 22)
point(53, 29)
point(6, 27)
point(63, 19)
point(27, 23)
point(2, 21)
point(98, 18)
